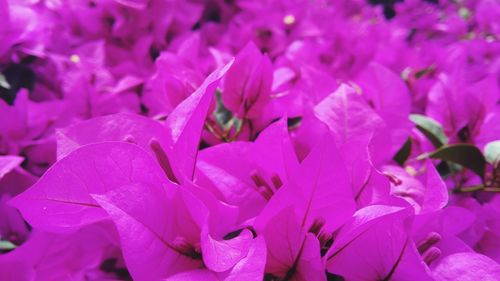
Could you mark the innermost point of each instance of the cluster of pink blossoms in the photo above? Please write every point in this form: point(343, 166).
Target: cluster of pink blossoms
point(275, 140)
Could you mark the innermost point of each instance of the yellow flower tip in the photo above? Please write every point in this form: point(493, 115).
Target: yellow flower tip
point(405, 74)
point(411, 171)
point(357, 89)
point(74, 58)
point(289, 19)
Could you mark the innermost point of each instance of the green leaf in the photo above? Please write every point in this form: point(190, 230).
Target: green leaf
point(294, 122)
point(6, 245)
point(421, 73)
point(430, 128)
point(4, 83)
point(464, 13)
point(466, 155)
point(237, 124)
point(492, 153)
point(403, 153)
point(222, 115)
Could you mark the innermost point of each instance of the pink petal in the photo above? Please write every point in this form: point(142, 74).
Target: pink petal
point(118, 127)
point(221, 255)
point(467, 267)
point(323, 187)
point(61, 198)
point(148, 229)
point(185, 125)
point(377, 241)
point(9, 162)
point(252, 266)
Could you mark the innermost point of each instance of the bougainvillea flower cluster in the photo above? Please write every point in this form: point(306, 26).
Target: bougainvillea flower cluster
point(275, 140)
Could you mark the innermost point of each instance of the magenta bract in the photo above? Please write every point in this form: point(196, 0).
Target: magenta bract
point(249, 140)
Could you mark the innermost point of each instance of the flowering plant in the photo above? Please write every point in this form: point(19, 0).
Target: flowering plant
point(249, 140)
